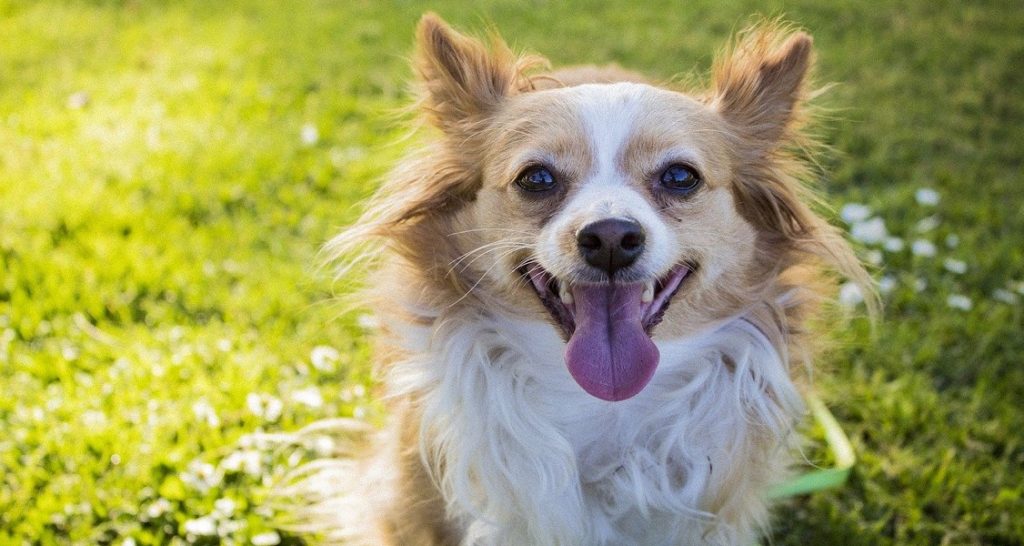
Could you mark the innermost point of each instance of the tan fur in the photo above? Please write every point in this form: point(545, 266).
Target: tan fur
point(446, 201)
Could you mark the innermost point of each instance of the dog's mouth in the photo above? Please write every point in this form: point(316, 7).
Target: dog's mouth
point(608, 325)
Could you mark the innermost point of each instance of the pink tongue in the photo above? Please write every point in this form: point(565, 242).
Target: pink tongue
point(609, 354)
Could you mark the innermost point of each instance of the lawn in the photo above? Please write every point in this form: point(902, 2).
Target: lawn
point(169, 171)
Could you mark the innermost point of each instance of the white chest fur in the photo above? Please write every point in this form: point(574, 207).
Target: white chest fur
point(529, 458)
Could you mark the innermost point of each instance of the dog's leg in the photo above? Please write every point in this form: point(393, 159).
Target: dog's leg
point(413, 511)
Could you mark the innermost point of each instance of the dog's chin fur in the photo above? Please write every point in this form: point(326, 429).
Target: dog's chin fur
point(491, 439)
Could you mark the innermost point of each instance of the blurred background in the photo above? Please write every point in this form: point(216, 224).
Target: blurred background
point(169, 171)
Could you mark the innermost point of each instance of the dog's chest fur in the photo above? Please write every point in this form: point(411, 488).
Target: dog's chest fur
point(525, 457)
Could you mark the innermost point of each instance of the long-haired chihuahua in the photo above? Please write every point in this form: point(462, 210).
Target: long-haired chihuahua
point(594, 295)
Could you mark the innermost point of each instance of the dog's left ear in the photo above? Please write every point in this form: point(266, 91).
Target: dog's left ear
point(758, 86)
point(461, 78)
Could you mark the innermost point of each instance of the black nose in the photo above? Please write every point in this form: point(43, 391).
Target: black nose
point(612, 244)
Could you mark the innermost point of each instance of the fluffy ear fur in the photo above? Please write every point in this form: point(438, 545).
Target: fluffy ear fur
point(759, 88)
point(759, 85)
point(462, 80)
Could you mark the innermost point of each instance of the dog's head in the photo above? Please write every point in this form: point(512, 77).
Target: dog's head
point(617, 212)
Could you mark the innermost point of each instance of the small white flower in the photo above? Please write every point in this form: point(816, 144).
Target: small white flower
point(78, 100)
point(850, 294)
point(367, 321)
point(873, 257)
point(309, 134)
point(952, 240)
point(959, 301)
point(204, 526)
point(254, 402)
point(205, 412)
point(323, 446)
point(886, 284)
point(927, 224)
point(927, 197)
point(128, 542)
point(955, 266)
point(870, 231)
point(854, 212)
point(224, 344)
point(272, 410)
point(893, 244)
point(1005, 296)
point(224, 507)
point(324, 357)
point(269, 538)
point(920, 285)
point(923, 247)
point(158, 508)
point(309, 397)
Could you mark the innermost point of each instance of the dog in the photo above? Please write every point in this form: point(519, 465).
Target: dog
point(594, 295)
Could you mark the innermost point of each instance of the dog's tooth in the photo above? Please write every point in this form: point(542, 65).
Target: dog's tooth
point(564, 294)
point(648, 295)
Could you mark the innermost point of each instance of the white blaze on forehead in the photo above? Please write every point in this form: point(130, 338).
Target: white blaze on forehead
point(609, 114)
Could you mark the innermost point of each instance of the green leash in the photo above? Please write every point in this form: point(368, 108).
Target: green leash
point(825, 478)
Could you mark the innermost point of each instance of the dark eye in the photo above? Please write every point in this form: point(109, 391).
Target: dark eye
point(536, 179)
point(681, 179)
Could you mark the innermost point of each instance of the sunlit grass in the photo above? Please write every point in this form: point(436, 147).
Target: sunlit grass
point(168, 174)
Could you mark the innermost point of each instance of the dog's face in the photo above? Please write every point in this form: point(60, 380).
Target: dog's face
point(616, 206)
point(621, 212)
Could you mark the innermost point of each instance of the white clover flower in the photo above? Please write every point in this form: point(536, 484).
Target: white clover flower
point(854, 212)
point(952, 240)
point(158, 508)
point(927, 197)
point(78, 100)
point(310, 397)
point(269, 538)
point(323, 446)
point(272, 409)
point(224, 507)
point(873, 257)
point(886, 284)
point(204, 526)
point(850, 294)
point(324, 357)
point(893, 244)
point(309, 134)
point(367, 321)
point(923, 247)
point(205, 412)
point(1005, 296)
point(927, 224)
point(959, 301)
point(869, 232)
point(955, 266)
point(920, 285)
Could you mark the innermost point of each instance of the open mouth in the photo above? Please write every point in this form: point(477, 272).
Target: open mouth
point(608, 326)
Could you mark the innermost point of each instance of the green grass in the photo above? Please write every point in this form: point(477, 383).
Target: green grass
point(160, 217)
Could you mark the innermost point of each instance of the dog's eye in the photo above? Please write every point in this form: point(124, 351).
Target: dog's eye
point(536, 179)
point(681, 179)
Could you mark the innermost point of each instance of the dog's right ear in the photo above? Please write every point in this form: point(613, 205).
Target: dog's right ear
point(461, 79)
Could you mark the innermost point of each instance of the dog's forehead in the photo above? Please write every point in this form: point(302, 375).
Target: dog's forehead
point(608, 120)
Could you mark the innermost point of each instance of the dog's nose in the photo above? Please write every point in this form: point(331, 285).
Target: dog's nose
point(611, 244)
